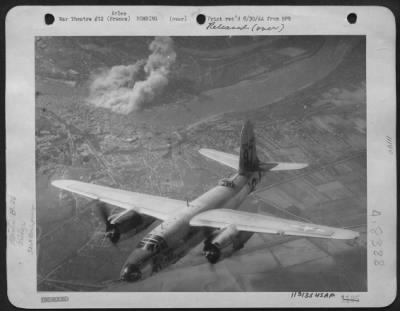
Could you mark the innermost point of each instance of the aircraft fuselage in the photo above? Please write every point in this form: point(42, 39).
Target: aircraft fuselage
point(174, 237)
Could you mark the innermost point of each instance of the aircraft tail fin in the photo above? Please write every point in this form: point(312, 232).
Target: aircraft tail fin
point(248, 161)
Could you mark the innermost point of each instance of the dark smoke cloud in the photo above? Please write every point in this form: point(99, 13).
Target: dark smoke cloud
point(119, 87)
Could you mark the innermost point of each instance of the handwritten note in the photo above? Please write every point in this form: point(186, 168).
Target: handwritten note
point(249, 27)
point(389, 144)
point(376, 239)
point(20, 232)
point(350, 298)
point(249, 23)
point(11, 218)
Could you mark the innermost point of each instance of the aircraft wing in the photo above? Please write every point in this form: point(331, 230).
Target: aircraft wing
point(155, 206)
point(251, 222)
point(227, 159)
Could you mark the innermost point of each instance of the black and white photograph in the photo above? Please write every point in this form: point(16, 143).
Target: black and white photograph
point(201, 163)
point(200, 157)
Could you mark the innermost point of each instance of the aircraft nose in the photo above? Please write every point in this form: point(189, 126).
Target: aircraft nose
point(131, 273)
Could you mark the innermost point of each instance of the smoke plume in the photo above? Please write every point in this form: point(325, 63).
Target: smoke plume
point(120, 87)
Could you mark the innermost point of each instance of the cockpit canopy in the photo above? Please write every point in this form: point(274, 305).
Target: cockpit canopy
point(153, 243)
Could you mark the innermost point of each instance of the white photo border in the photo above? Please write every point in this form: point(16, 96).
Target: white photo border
point(24, 23)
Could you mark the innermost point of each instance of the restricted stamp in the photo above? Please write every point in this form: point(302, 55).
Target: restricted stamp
point(170, 156)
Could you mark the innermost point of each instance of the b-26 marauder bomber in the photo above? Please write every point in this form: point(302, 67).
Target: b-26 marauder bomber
point(212, 217)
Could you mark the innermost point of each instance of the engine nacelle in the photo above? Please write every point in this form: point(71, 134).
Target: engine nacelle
point(229, 239)
point(225, 237)
point(125, 222)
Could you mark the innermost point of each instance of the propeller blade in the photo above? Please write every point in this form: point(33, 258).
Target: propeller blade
point(211, 266)
point(102, 241)
point(112, 231)
point(103, 212)
point(116, 246)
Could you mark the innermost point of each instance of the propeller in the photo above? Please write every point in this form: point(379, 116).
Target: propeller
point(104, 212)
point(112, 231)
point(212, 253)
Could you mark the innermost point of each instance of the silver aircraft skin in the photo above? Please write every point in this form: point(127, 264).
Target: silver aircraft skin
point(173, 238)
point(211, 218)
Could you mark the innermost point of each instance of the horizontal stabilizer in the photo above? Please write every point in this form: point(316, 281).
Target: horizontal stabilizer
point(232, 161)
point(227, 159)
point(281, 166)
